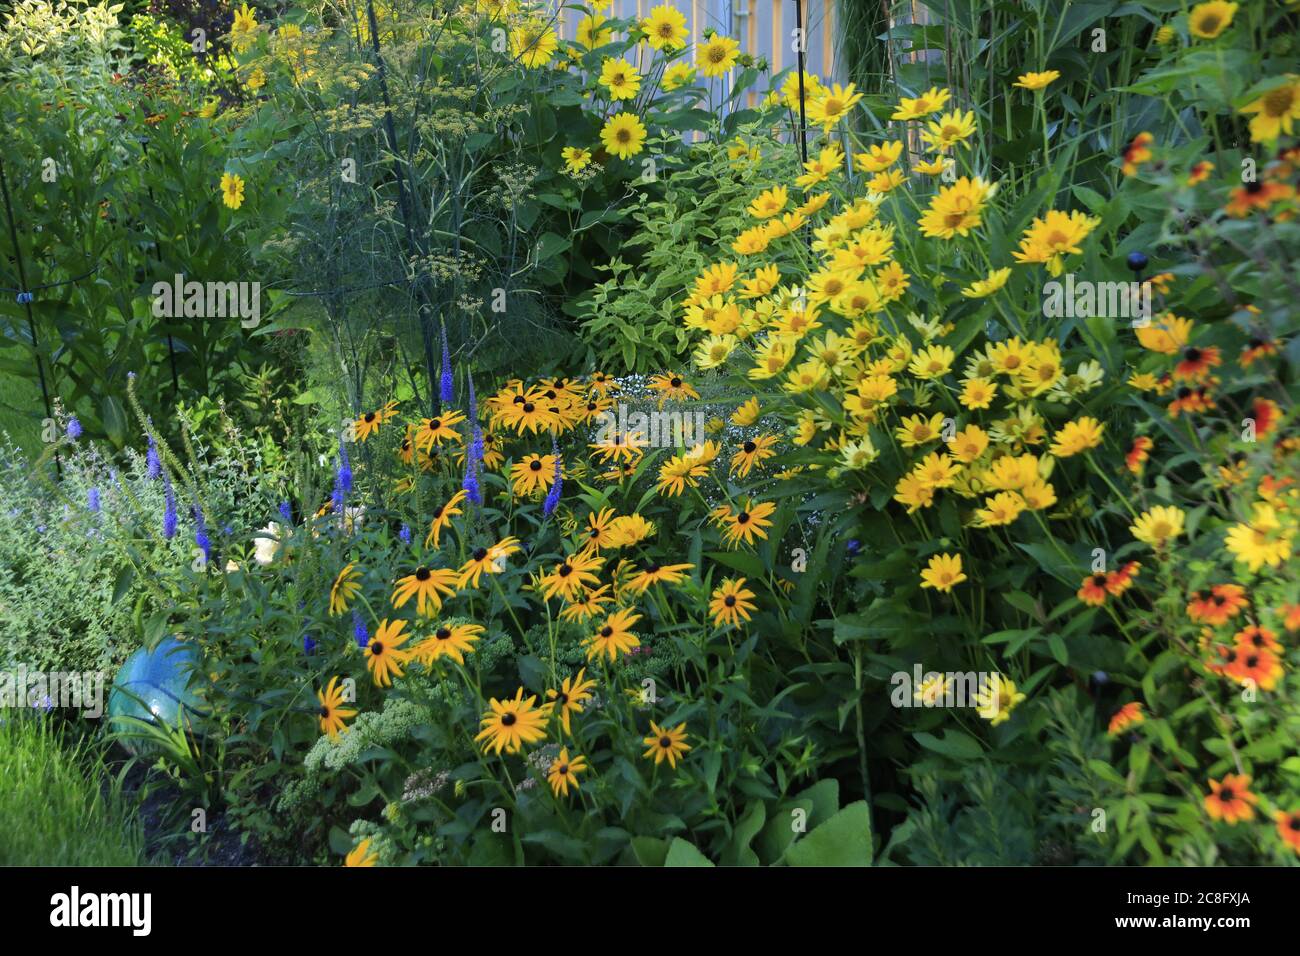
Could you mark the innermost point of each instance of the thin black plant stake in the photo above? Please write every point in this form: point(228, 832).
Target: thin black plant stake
point(26, 298)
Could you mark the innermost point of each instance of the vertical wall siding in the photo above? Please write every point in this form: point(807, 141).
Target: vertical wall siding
point(764, 28)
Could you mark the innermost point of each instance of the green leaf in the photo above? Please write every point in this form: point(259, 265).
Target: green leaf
point(955, 744)
point(650, 851)
point(682, 853)
point(843, 840)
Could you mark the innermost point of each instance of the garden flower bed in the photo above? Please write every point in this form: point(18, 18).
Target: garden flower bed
point(506, 433)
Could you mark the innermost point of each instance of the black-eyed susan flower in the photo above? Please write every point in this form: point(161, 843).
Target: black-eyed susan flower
point(533, 474)
point(344, 589)
point(509, 724)
point(448, 640)
point(361, 855)
point(745, 522)
point(487, 560)
point(428, 586)
point(572, 575)
point(878, 157)
point(671, 386)
point(563, 772)
point(1130, 715)
point(943, 572)
point(384, 655)
point(731, 602)
point(664, 744)
point(599, 533)
point(1158, 526)
point(332, 713)
point(369, 423)
point(586, 604)
point(442, 516)
point(751, 452)
point(435, 431)
point(651, 573)
point(568, 699)
point(614, 636)
point(1230, 799)
point(620, 447)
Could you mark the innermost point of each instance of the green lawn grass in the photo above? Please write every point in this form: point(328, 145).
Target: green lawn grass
point(56, 806)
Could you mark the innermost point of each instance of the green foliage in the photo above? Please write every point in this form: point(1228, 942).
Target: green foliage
point(57, 807)
point(633, 320)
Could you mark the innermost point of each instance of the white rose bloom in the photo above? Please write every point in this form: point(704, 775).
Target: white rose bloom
point(268, 544)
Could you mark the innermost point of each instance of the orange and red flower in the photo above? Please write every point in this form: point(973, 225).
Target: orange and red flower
point(1120, 580)
point(1259, 668)
point(1266, 414)
point(1137, 455)
point(1137, 152)
point(1196, 363)
point(1252, 637)
point(1288, 828)
point(1257, 348)
point(1093, 590)
point(1218, 605)
point(1230, 799)
point(1130, 715)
